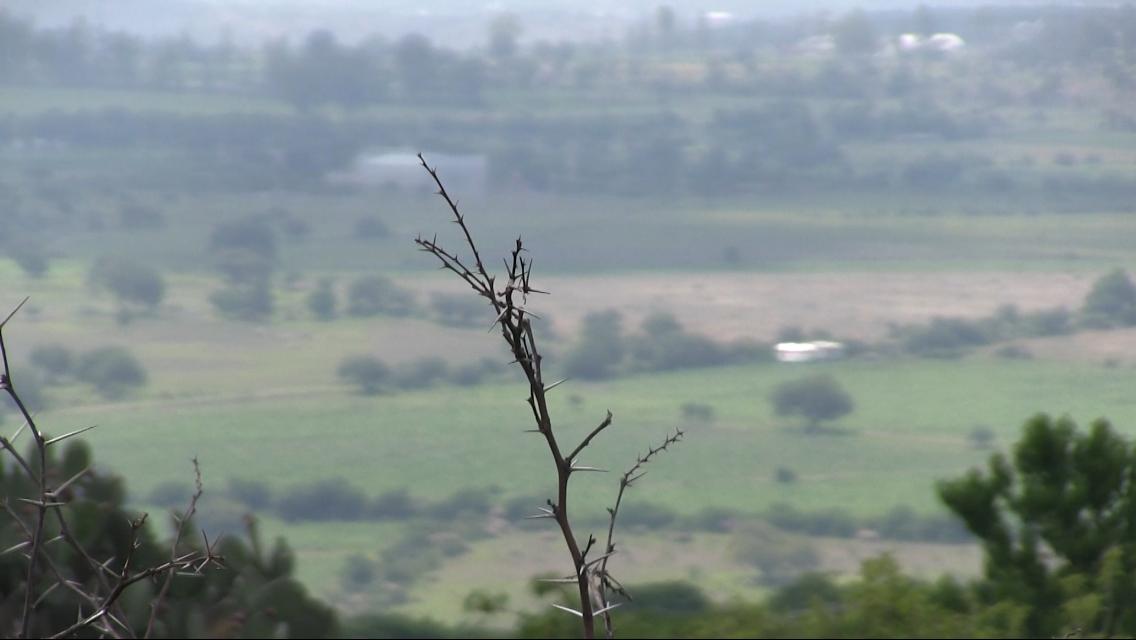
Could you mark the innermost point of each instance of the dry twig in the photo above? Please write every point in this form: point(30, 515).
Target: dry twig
point(512, 317)
point(100, 600)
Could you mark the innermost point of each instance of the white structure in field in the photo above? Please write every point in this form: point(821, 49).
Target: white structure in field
point(814, 351)
point(938, 43)
point(401, 170)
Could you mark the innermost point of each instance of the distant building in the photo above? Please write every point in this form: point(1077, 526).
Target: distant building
point(814, 351)
point(401, 170)
point(937, 43)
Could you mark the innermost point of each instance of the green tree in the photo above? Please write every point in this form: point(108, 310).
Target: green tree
point(321, 301)
point(369, 373)
point(1057, 521)
point(1111, 302)
point(600, 348)
point(816, 399)
point(374, 295)
point(113, 371)
point(253, 595)
point(131, 283)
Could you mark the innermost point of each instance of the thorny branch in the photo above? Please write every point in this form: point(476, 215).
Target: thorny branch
point(607, 583)
point(102, 599)
point(514, 322)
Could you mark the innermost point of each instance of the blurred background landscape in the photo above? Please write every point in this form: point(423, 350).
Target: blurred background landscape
point(212, 207)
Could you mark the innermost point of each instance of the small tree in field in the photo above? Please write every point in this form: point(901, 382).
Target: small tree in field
point(815, 399)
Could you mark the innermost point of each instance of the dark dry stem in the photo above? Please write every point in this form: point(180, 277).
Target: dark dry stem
point(590, 576)
point(607, 582)
point(516, 329)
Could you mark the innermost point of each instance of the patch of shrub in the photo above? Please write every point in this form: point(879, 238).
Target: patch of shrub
point(712, 519)
point(1013, 352)
point(368, 373)
point(835, 523)
point(393, 505)
point(944, 337)
point(646, 515)
point(1111, 302)
point(420, 374)
point(333, 499)
point(321, 301)
point(375, 295)
point(54, 360)
point(254, 494)
point(459, 310)
point(697, 412)
point(358, 573)
point(779, 557)
point(112, 371)
point(128, 281)
point(463, 502)
point(785, 475)
point(252, 302)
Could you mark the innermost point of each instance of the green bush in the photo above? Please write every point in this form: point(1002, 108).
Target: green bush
point(333, 499)
point(112, 371)
point(375, 295)
point(815, 398)
point(368, 373)
point(1111, 302)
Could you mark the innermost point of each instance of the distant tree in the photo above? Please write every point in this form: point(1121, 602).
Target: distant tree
point(244, 250)
point(112, 371)
point(454, 310)
point(816, 399)
point(253, 302)
point(374, 295)
point(369, 373)
point(321, 302)
point(981, 437)
point(1057, 521)
point(1111, 302)
point(420, 373)
point(599, 349)
point(131, 283)
point(54, 360)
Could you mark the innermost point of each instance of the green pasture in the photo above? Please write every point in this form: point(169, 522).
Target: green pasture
point(909, 428)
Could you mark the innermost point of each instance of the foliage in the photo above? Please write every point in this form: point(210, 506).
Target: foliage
point(1111, 302)
point(129, 281)
point(374, 295)
point(779, 557)
point(453, 310)
point(254, 595)
point(369, 373)
point(54, 360)
point(815, 398)
point(599, 349)
point(333, 499)
point(1057, 521)
point(112, 371)
point(321, 301)
point(251, 301)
